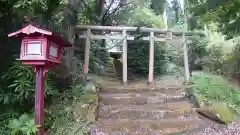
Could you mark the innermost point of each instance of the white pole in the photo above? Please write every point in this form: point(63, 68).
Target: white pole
point(185, 47)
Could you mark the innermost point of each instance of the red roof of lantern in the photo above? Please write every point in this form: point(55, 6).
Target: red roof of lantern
point(30, 30)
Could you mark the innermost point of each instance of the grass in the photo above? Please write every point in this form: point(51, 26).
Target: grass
point(210, 90)
point(213, 87)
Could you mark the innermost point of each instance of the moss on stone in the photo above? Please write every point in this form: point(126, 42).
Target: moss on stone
point(86, 112)
point(89, 98)
point(195, 97)
point(86, 108)
point(237, 109)
point(218, 111)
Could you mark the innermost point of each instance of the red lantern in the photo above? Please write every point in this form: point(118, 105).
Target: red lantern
point(42, 49)
point(39, 46)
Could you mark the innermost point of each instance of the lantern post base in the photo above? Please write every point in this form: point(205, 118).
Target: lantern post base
point(39, 99)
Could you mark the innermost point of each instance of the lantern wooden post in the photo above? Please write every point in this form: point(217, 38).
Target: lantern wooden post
point(151, 58)
point(39, 99)
point(124, 57)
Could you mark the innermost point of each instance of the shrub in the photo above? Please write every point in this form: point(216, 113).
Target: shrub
point(233, 66)
point(17, 96)
point(213, 88)
point(23, 125)
point(138, 57)
point(19, 82)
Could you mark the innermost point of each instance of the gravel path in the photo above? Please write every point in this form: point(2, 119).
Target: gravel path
point(233, 129)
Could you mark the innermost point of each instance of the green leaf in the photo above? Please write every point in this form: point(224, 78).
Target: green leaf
point(5, 99)
point(23, 118)
point(1, 97)
point(15, 131)
point(14, 124)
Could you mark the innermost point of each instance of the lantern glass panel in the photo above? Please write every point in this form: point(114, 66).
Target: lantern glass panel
point(53, 51)
point(33, 48)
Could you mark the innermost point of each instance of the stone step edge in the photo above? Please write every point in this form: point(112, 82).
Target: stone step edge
point(133, 95)
point(154, 107)
point(140, 100)
point(161, 106)
point(165, 131)
point(149, 115)
point(194, 120)
point(138, 89)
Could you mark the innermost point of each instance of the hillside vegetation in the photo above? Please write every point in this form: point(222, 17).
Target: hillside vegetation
point(71, 97)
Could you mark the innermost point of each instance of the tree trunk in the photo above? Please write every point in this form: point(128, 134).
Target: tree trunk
point(70, 18)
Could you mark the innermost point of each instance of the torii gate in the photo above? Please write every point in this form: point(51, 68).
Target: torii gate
point(165, 34)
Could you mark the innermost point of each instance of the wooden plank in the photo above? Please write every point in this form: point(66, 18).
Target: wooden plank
point(100, 37)
point(151, 58)
point(142, 29)
point(156, 39)
point(87, 51)
point(186, 65)
point(124, 57)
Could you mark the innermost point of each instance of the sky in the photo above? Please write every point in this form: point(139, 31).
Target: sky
point(115, 49)
point(169, 1)
point(165, 15)
point(181, 2)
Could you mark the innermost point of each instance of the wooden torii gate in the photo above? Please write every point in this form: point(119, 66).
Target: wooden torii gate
point(164, 35)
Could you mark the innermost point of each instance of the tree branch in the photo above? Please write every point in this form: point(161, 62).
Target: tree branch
point(108, 10)
point(114, 11)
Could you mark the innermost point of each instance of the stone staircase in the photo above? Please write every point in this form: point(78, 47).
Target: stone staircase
point(145, 111)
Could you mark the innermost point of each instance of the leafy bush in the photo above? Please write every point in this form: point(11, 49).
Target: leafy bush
point(219, 51)
point(76, 128)
point(232, 63)
point(17, 95)
point(146, 17)
point(19, 83)
point(23, 125)
point(213, 88)
point(138, 57)
point(72, 109)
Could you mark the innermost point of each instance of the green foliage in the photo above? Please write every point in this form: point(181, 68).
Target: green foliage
point(19, 80)
point(17, 95)
point(211, 51)
point(146, 17)
point(31, 4)
point(235, 60)
point(76, 128)
point(23, 125)
point(67, 109)
point(158, 6)
point(138, 50)
point(215, 97)
point(6, 115)
point(138, 57)
point(215, 88)
point(22, 78)
point(230, 62)
point(224, 12)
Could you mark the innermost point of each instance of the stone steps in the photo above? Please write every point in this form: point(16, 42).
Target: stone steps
point(179, 106)
point(135, 110)
point(148, 127)
point(122, 89)
point(148, 112)
point(139, 98)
